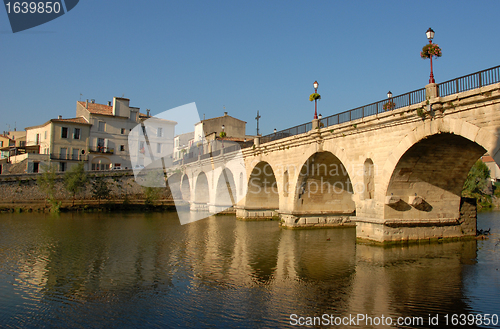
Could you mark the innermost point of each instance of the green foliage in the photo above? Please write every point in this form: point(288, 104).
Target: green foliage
point(421, 112)
point(152, 191)
point(477, 178)
point(100, 189)
point(389, 106)
point(222, 134)
point(75, 179)
point(476, 184)
point(431, 49)
point(47, 184)
point(314, 96)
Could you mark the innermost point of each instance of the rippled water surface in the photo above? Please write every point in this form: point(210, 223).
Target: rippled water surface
point(146, 270)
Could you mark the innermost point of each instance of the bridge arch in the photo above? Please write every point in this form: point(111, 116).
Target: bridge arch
point(201, 190)
point(324, 186)
point(424, 175)
point(225, 189)
point(262, 191)
point(185, 188)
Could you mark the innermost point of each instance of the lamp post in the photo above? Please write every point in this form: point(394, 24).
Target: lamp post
point(389, 94)
point(315, 85)
point(430, 36)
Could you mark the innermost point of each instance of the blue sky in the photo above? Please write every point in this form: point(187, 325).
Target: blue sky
point(248, 56)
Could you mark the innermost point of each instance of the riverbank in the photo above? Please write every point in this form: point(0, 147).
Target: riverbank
point(88, 206)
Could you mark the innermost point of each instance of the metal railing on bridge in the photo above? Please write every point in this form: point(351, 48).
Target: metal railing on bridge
point(455, 86)
point(385, 105)
point(469, 82)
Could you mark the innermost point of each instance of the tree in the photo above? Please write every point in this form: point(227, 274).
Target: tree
point(47, 183)
point(100, 189)
point(476, 184)
point(75, 179)
point(477, 179)
point(152, 186)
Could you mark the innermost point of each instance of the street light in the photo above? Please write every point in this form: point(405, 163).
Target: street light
point(315, 85)
point(430, 36)
point(320, 116)
point(389, 94)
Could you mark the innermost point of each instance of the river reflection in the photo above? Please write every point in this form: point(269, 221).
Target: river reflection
point(146, 270)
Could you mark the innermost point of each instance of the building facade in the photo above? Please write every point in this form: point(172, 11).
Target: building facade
point(64, 141)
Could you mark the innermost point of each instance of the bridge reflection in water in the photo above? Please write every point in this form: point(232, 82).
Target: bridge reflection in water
point(145, 269)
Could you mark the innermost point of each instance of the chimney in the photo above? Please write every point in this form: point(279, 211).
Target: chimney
point(59, 117)
point(147, 112)
point(225, 114)
point(87, 104)
point(109, 103)
point(92, 101)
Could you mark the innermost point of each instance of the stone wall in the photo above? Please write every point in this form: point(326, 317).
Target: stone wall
point(24, 188)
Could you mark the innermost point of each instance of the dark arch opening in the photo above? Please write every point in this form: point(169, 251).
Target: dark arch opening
point(428, 179)
point(324, 186)
point(262, 192)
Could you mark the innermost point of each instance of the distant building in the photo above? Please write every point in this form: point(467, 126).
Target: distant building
point(111, 125)
point(65, 142)
point(182, 143)
point(492, 165)
point(213, 127)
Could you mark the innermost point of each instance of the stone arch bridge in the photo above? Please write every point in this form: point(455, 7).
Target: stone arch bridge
point(396, 175)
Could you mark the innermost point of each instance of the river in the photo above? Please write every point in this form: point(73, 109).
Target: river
point(130, 270)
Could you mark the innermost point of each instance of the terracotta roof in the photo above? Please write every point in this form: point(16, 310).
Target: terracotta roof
point(74, 120)
point(487, 158)
point(98, 108)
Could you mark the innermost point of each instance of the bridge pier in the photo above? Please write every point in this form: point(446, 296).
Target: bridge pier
point(198, 206)
point(310, 220)
point(255, 214)
point(405, 230)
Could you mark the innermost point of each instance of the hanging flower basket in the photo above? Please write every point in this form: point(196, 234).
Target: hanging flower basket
point(222, 134)
point(389, 106)
point(314, 97)
point(431, 49)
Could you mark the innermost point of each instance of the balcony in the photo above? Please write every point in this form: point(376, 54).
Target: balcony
point(70, 157)
point(101, 149)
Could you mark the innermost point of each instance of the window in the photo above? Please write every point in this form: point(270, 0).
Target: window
point(158, 148)
point(45, 134)
point(123, 131)
point(63, 153)
point(64, 132)
point(76, 133)
point(122, 148)
point(1, 143)
point(101, 126)
point(62, 166)
point(37, 139)
point(75, 154)
point(159, 132)
point(100, 145)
